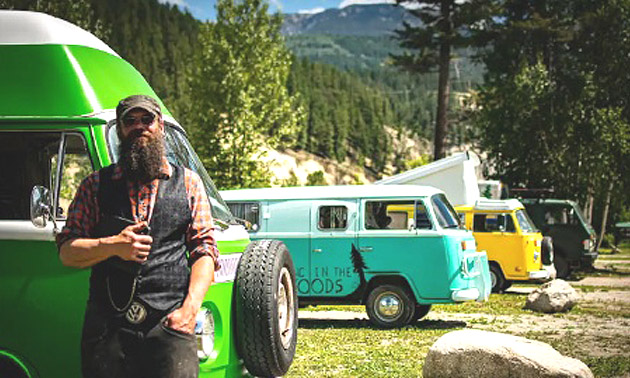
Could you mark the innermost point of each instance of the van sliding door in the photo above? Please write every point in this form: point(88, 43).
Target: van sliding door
point(333, 249)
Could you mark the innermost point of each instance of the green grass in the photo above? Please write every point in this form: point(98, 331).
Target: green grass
point(613, 366)
point(498, 304)
point(355, 349)
point(601, 366)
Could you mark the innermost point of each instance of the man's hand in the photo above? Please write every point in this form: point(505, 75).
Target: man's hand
point(183, 319)
point(130, 244)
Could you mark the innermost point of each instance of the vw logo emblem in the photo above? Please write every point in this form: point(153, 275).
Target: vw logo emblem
point(136, 313)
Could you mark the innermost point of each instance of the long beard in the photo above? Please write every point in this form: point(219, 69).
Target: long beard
point(139, 161)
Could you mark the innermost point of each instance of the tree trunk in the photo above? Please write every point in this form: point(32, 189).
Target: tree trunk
point(605, 216)
point(441, 122)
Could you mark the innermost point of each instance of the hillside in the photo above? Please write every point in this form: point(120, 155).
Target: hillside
point(348, 91)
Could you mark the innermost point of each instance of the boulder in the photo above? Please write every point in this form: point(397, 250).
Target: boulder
point(474, 353)
point(553, 296)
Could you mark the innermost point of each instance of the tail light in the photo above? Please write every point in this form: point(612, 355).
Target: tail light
point(587, 243)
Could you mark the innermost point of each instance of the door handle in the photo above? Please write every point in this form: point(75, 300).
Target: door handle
point(366, 249)
point(318, 250)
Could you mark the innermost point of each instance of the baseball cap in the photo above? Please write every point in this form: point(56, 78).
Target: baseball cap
point(137, 101)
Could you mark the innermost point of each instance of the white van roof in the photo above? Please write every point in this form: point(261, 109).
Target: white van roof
point(34, 28)
point(493, 204)
point(329, 192)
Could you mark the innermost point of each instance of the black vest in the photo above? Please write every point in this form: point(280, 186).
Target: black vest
point(162, 281)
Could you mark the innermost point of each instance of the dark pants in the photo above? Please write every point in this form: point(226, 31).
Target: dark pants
point(112, 348)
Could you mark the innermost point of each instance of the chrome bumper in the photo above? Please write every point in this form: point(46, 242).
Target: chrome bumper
point(465, 295)
point(539, 275)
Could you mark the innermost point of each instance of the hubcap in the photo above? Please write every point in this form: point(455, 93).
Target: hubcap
point(285, 308)
point(493, 279)
point(388, 306)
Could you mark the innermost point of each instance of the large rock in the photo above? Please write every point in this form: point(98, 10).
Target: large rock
point(554, 296)
point(474, 353)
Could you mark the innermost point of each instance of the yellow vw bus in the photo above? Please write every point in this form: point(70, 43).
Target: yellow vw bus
point(516, 249)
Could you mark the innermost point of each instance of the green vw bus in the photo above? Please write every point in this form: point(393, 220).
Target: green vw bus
point(396, 249)
point(60, 86)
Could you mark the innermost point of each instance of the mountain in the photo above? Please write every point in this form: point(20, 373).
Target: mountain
point(363, 20)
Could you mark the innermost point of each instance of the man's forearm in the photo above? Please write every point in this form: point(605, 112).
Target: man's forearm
point(84, 252)
point(201, 277)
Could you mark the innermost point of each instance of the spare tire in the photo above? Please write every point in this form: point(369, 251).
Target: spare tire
point(266, 308)
point(546, 250)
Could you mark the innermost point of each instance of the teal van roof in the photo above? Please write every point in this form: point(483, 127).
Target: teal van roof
point(329, 192)
point(51, 68)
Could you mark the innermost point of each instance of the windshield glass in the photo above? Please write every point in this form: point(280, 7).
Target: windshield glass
point(524, 222)
point(179, 151)
point(563, 215)
point(444, 212)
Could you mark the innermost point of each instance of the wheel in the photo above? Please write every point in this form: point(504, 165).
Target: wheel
point(562, 266)
point(390, 306)
point(496, 278)
point(420, 312)
point(266, 308)
point(506, 285)
point(546, 250)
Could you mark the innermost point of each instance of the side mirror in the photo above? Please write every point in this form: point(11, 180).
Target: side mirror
point(247, 224)
point(40, 206)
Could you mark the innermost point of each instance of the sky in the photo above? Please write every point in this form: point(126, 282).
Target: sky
point(204, 9)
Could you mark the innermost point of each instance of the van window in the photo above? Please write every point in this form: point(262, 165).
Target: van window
point(524, 222)
point(248, 211)
point(388, 215)
point(446, 215)
point(333, 218)
point(179, 151)
point(423, 222)
point(493, 223)
point(76, 166)
point(31, 158)
point(562, 215)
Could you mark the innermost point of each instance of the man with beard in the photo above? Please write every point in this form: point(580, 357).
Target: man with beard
point(133, 223)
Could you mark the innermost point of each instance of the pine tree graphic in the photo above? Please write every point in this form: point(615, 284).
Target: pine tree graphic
point(359, 264)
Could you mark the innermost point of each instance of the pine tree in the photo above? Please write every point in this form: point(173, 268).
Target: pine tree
point(443, 27)
point(240, 101)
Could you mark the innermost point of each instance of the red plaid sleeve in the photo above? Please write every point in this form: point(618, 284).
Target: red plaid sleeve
point(82, 213)
point(199, 236)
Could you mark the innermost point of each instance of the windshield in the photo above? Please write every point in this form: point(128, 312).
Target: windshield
point(563, 215)
point(179, 151)
point(444, 212)
point(524, 222)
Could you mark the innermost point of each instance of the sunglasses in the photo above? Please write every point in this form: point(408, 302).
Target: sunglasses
point(146, 120)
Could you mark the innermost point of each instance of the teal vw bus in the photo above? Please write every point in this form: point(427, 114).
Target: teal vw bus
point(396, 249)
point(60, 86)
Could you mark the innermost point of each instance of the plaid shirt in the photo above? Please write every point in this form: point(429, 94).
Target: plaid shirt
point(83, 213)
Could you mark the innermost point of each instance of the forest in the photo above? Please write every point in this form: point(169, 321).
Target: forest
point(545, 82)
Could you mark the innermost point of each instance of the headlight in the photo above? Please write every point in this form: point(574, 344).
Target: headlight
point(204, 329)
